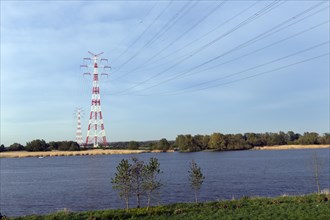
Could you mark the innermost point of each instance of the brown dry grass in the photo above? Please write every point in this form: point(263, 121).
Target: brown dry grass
point(17, 154)
point(289, 147)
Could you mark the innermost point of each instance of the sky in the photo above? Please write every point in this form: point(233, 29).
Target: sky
point(178, 67)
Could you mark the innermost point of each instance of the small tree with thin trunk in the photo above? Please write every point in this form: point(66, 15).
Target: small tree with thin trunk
point(196, 178)
point(122, 180)
point(137, 179)
point(316, 163)
point(151, 182)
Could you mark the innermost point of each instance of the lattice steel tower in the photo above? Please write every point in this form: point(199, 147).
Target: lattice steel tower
point(95, 131)
point(78, 114)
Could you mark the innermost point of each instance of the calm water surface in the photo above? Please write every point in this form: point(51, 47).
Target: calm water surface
point(39, 186)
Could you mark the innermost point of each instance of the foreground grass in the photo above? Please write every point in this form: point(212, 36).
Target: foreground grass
point(287, 207)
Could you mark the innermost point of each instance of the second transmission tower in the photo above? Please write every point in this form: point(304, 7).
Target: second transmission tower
point(79, 138)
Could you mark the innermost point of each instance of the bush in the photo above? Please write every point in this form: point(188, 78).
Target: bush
point(133, 145)
point(68, 146)
point(37, 145)
point(15, 147)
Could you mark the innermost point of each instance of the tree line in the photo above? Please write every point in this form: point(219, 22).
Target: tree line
point(225, 142)
point(41, 145)
point(188, 143)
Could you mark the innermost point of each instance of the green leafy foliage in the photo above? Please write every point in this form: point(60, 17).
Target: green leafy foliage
point(151, 181)
point(138, 179)
point(68, 146)
point(15, 147)
point(2, 149)
point(225, 142)
point(189, 143)
point(133, 145)
point(163, 145)
point(196, 178)
point(37, 145)
point(122, 180)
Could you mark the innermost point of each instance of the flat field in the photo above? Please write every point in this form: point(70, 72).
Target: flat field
point(18, 154)
point(289, 147)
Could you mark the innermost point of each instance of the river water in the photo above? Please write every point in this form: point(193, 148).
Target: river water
point(40, 186)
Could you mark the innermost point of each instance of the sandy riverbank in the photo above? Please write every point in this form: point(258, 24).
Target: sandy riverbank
point(18, 154)
point(289, 147)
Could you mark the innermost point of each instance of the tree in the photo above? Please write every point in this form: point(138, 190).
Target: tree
point(137, 179)
point(163, 145)
point(316, 163)
point(151, 182)
point(53, 145)
point(325, 139)
point(37, 145)
point(68, 146)
point(205, 142)
point(200, 142)
point(184, 143)
point(122, 180)
point(133, 145)
point(253, 139)
point(196, 178)
point(309, 138)
point(291, 137)
point(74, 146)
point(217, 142)
point(2, 148)
point(16, 147)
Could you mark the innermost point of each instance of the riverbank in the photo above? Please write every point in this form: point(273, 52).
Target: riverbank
point(290, 147)
point(20, 154)
point(285, 207)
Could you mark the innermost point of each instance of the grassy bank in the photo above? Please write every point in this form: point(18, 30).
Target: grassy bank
point(286, 207)
point(18, 154)
point(289, 147)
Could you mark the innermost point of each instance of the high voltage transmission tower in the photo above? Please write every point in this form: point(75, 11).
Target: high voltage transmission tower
point(79, 139)
point(95, 131)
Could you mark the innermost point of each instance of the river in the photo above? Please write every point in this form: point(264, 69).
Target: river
point(40, 186)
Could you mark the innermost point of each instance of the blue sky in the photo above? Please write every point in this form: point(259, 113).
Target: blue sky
point(177, 67)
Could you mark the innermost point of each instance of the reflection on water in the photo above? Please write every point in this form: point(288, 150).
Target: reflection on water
point(38, 186)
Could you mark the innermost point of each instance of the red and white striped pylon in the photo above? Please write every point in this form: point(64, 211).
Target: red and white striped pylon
point(79, 138)
point(95, 131)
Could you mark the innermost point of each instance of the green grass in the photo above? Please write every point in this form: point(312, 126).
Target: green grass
point(312, 206)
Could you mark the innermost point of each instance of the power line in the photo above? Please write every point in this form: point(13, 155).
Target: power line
point(253, 40)
point(204, 35)
point(257, 66)
point(243, 23)
point(262, 48)
point(158, 16)
point(258, 74)
point(184, 10)
point(154, 38)
point(180, 36)
point(280, 24)
point(140, 36)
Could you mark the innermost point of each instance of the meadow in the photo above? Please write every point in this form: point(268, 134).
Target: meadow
point(312, 206)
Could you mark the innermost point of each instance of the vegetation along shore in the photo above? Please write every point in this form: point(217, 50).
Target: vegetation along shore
point(313, 206)
point(182, 143)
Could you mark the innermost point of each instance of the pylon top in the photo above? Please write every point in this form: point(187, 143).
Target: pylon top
point(95, 55)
